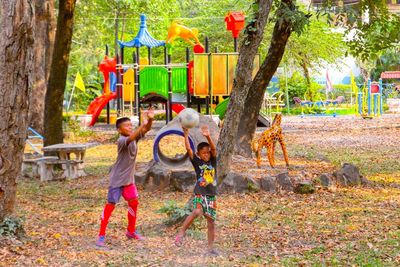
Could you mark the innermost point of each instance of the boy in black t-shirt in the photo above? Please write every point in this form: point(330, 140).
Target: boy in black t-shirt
point(204, 202)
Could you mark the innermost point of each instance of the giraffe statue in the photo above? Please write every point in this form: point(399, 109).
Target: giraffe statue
point(268, 139)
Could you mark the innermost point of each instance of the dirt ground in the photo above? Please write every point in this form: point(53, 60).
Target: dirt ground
point(343, 227)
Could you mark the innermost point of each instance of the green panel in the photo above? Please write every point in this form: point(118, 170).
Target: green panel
point(221, 108)
point(179, 80)
point(154, 80)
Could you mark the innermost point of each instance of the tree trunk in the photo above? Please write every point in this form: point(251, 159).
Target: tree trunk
point(248, 50)
point(53, 132)
point(123, 27)
point(16, 57)
point(44, 45)
point(305, 71)
point(255, 97)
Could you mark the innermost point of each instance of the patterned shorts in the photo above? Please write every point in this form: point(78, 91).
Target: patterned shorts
point(208, 205)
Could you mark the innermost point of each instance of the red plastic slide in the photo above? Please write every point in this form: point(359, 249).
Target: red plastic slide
point(97, 106)
point(177, 108)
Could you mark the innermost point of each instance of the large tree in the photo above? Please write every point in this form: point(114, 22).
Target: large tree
point(53, 117)
point(44, 44)
point(291, 18)
point(254, 33)
point(288, 18)
point(16, 57)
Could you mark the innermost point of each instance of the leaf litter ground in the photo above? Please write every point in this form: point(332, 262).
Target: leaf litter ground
point(348, 226)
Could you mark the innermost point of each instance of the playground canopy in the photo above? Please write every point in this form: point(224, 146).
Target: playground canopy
point(390, 75)
point(143, 38)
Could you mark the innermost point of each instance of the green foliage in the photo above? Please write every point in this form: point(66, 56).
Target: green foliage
point(11, 226)
point(293, 14)
point(95, 23)
point(74, 126)
point(317, 46)
point(175, 213)
point(162, 116)
point(313, 92)
point(296, 86)
point(389, 61)
point(371, 27)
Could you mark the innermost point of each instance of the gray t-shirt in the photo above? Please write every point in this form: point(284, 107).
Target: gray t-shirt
point(123, 170)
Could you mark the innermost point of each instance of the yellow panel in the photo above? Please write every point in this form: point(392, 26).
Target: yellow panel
point(232, 62)
point(129, 85)
point(143, 61)
point(200, 75)
point(219, 75)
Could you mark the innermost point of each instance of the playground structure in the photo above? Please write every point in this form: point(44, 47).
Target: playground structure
point(392, 91)
point(205, 80)
point(369, 99)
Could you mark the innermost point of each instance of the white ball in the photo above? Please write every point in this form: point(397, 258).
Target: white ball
point(189, 118)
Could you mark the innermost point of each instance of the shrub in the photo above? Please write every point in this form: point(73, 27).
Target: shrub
point(297, 86)
point(11, 226)
point(174, 213)
point(73, 126)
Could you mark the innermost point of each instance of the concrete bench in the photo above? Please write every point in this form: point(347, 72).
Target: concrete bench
point(70, 169)
point(52, 168)
point(68, 164)
point(30, 166)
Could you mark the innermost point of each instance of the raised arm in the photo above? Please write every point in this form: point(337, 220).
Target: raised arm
point(206, 133)
point(147, 121)
point(187, 144)
point(143, 128)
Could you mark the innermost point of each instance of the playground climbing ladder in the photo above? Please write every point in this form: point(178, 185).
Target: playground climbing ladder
point(33, 135)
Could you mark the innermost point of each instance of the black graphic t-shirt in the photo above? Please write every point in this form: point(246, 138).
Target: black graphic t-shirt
point(206, 183)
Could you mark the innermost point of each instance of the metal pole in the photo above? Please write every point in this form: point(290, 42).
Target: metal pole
point(187, 78)
point(117, 87)
point(207, 50)
point(108, 103)
point(369, 97)
point(70, 99)
point(137, 85)
point(149, 54)
point(235, 44)
point(286, 90)
point(121, 81)
point(169, 89)
point(380, 96)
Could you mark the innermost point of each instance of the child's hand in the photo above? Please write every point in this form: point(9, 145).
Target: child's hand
point(205, 131)
point(150, 113)
point(185, 131)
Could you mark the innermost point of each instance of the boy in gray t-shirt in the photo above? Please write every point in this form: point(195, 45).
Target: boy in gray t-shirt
point(122, 175)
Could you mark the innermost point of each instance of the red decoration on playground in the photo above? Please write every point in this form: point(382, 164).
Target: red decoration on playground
point(198, 48)
point(235, 23)
point(106, 66)
point(374, 87)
